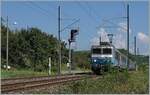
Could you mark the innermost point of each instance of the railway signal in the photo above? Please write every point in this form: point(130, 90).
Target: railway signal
point(73, 33)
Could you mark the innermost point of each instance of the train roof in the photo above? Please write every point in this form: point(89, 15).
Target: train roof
point(102, 44)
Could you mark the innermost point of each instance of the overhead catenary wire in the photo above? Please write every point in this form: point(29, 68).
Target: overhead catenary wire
point(70, 25)
point(114, 24)
point(87, 12)
point(107, 20)
point(44, 11)
point(92, 10)
point(67, 16)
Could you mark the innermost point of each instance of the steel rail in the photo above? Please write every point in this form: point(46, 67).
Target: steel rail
point(6, 88)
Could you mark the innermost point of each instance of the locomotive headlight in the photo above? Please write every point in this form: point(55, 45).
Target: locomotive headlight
point(94, 60)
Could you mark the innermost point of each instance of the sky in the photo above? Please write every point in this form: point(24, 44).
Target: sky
point(94, 17)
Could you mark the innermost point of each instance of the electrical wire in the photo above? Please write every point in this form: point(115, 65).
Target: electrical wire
point(92, 10)
point(70, 25)
point(86, 11)
point(44, 11)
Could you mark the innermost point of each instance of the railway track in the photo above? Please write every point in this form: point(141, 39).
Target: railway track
point(7, 80)
point(27, 83)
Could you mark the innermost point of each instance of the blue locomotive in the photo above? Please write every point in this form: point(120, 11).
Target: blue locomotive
point(101, 57)
point(105, 55)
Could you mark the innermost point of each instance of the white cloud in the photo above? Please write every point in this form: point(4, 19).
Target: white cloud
point(119, 41)
point(143, 37)
point(124, 27)
point(95, 41)
point(119, 38)
point(103, 34)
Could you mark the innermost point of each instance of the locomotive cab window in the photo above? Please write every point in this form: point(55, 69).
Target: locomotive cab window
point(107, 51)
point(96, 51)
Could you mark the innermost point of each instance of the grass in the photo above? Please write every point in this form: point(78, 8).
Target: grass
point(29, 73)
point(26, 72)
point(134, 82)
point(20, 73)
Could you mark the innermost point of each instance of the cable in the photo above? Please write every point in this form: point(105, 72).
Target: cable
point(70, 24)
point(46, 12)
point(59, 3)
point(92, 10)
point(84, 9)
point(114, 24)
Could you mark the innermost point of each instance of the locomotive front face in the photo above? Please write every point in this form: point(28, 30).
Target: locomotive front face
point(101, 57)
point(100, 60)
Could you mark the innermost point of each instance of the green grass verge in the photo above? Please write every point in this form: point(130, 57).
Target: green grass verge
point(124, 82)
point(29, 73)
point(20, 73)
point(26, 73)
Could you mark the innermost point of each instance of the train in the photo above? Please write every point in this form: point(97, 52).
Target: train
point(106, 56)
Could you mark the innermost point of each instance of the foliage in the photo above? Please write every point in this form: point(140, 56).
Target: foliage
point(30, 49)
point(82, 59)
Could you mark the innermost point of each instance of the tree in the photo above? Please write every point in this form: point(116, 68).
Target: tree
point(31, 49)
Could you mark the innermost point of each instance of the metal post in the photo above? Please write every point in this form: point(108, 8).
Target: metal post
point(100, 40)
point(49, 66)
point(138, 53)
point(69, 56)
point(135, 45)
point(27, 28)
point(59, 66)
point(7, 45)
point(120, 60)
point(127, 36)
